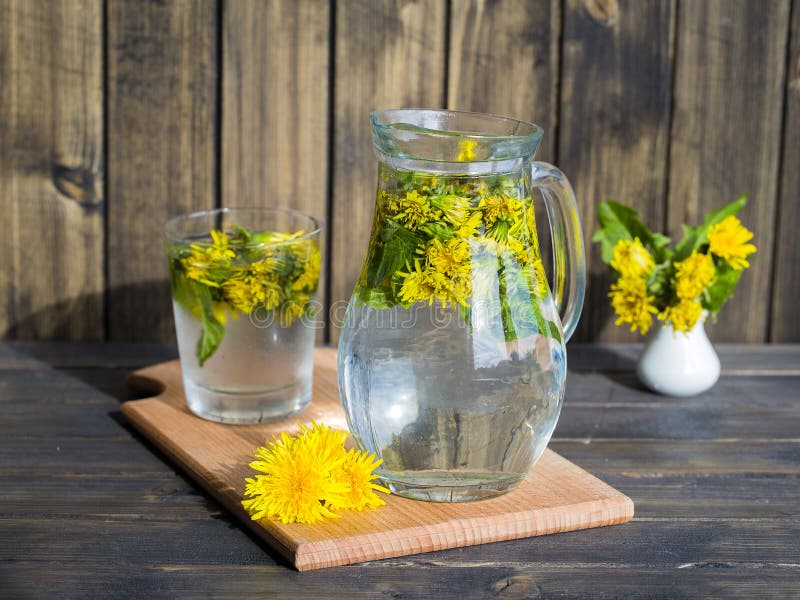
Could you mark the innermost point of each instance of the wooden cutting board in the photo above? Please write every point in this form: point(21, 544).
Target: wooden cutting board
point(556, 496)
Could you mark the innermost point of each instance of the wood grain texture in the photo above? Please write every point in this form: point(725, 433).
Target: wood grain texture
point(162, 111)
point(737, 359)
point(556, 496)
point(785, 289)
point(404, 579)
point(518, 580)
point(51, 169)
point(275, 108)
point(614, 125)
point(725, 142)
point(267, 103)
point(388, 54)
point(96, 511)
point(503, 60)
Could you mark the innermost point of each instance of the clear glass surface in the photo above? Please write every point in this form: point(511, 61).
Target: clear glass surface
point(262, 368)
point(452, 359)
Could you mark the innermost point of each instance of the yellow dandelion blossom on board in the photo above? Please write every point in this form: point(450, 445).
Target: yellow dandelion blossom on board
point(693, 275)
point(357, 474)
point(326, 441)
point(306, 477)
point(633, 305)
point(296, 476)
point(729, 240)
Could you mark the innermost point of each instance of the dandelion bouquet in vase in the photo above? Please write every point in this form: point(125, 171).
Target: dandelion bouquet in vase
point(676, 285)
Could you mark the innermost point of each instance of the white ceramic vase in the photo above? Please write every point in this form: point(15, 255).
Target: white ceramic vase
point(679, 364)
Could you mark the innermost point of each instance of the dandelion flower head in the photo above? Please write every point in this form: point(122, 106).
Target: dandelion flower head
point(729, 240)
point(414, 210)
point(683, 315)
point(631, 258)
point(633, 305)
point(307, 477)
point(693, 275)
point(296, 476)
point(357, 474)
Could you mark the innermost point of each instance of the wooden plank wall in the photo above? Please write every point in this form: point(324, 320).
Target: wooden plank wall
point(117, 115)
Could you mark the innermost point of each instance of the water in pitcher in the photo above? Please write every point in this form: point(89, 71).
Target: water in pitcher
point(449, 412)
point(452, 358)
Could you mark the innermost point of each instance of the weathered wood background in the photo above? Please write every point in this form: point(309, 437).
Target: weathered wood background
point(117, 115)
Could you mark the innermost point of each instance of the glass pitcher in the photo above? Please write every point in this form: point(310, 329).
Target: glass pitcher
point(452, 357)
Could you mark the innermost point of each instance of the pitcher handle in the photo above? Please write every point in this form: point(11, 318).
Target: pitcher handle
point(569, 260)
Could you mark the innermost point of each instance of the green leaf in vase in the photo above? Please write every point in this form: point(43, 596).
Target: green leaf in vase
point(721, 290)
point(620, 222)
point(397, 250)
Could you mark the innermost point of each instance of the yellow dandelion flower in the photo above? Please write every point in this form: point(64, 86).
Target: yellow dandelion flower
point(466, 150)
point(389, 202)
point(308, 476)
point(459, 289)
point(631, 259)
point(693, 275)
point(237, 293)
point(470, 227)
point(728, 240)
point(268, 294)
point(455, 209)
point(413, 210)
point(630, 301)
point(500, 208)
point(451, 259)
point(296, 483)
point(356, 473)
point(310, 258)
point(253, 287)
point(683, 315)
point(324, 439)
point(204, 257)
point(428, 285)
point(418, 286)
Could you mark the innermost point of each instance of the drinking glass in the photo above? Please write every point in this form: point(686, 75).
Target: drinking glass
point(244, 294)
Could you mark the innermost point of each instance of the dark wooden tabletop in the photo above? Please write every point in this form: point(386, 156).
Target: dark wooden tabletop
point(89, 509)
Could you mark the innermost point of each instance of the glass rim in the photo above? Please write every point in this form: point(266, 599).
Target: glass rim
point(404, 133)
point(377, 115)
point(173, 236)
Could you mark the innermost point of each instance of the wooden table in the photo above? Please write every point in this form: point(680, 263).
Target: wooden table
point(88, 509)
